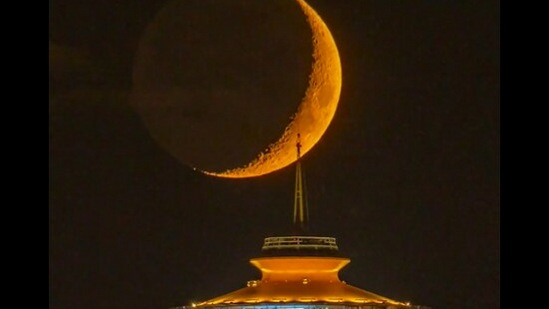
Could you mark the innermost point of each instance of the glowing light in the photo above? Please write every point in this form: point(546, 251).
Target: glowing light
point(315, 112)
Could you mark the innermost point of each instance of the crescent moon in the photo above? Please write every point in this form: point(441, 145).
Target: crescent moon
point(315, 112)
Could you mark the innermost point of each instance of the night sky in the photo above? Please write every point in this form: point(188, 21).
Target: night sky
point(406, 177)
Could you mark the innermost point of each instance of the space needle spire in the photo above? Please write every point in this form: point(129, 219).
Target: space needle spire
point(300, 203)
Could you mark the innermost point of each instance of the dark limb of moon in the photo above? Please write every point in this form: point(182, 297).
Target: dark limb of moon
point(217, 99)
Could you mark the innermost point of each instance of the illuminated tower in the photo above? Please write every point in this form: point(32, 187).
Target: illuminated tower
point(300, 272)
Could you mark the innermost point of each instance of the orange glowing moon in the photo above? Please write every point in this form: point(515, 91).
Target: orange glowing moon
point(315, 112)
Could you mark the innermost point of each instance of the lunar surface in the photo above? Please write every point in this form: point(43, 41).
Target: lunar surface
point(217, 83)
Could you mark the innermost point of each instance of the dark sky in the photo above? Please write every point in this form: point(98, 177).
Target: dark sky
point(406, 176)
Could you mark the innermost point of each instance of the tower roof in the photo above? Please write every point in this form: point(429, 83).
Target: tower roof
point(291, 280)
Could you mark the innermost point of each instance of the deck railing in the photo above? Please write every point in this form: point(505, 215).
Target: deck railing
point(300, 242)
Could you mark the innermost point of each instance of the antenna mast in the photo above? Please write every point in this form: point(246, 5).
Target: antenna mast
point(300, 211)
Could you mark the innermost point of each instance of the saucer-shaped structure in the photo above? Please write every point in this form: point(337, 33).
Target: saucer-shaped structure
point(300, 272)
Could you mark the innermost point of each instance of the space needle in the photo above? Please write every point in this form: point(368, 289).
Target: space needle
point(300, 271)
